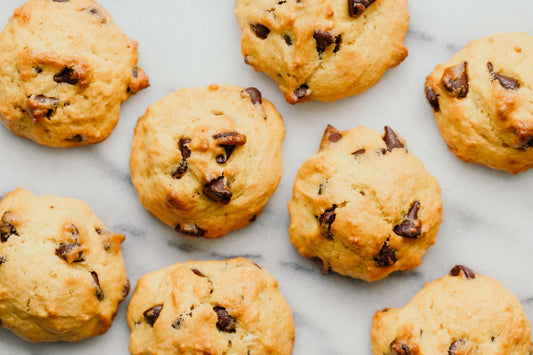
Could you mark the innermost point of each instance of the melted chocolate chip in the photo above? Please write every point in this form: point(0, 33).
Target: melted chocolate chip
point(7, 226)
point(458, 347)
point(225, 322)
point(229, 138)
point(68, 76)
point(185, 154)
point(288, 40)
point(323, 40)
point(467, 272)
point(410, 227)
point(359, 152)
point(338, 41)
point(152, 313)
point(357, 7)
point(41, 107)
point(432, 98)
point(198, 272)
point(77, 138)
point(505, 81)
point(386, 256)
point(326, 220)
point(260, 30)
point(38, 70)
point(71, 252)
point(455, 80)
point(126, 289)
point(391, 139)
point(332, 133)
point(301, 92)
point(255, 95)
point(217, 190)
point(399, 347)
point(98, 289)
point(190, 229)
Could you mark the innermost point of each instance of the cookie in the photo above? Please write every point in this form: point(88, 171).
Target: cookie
point(65, 69)
point(206, 160)
point(482, 102)
point(62, 276)
point(363, 205)
point(459, 314)
point(323, 50)
point(210, 307)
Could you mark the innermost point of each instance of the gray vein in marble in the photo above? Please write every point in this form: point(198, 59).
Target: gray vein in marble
point(129, 230)
point(296, 266)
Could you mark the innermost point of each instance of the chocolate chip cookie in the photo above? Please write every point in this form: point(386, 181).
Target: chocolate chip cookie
point(65, 69)
point(210, 307)
point(363, 205)
point(323, 50)
point(462, 313)
point(62, 276)
point(206, 160)
point(481, 99)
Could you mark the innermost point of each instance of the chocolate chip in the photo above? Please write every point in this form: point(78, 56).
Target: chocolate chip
point(432, 98)
point(152, 313)
point(359, 152)
point(338, 41)
point(95, 12)
point(260, 30)
point(322, 187)
point(301, 92)
point(357, 7)
point(505, 81)
point(135, 72)
point(386, 256)
point(467, 272)
point(399, 347)
point(185, 154)
point(288, 40)
point(217, 190)
point(198, 272)
point(323, 40)
point(3, 259)
point(326, 220)
point(60, 0)
point(410, 227)
point(455, 80)
point(126, 289)
point(255, 95)
point(527, 143)
point(41, 107)
point(225, 322)
point(391, 139)
point(177, 323)
point(458, 347)
point(71, 251)
point(323, 268)
point(332, 133)
point(190, 229)
point(77, 138)
point(68, 76)
point(99, 291)
point(38, 70)
point(7, 226)
point(230, 138)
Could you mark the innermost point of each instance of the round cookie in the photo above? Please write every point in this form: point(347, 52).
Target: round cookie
point(206, 160)
point(463, 313)
point(210, 307)
point(65, 69)
point(363, 206)
point(323, 50)
point(62, 276)
point(482, 102)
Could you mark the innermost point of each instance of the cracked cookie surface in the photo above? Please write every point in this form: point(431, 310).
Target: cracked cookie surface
point(210, 307)
point(65, 69)
point(482, 102)
point(323, 50)
point(62, 276)
point(463, 313)
point(364, 206)
point(206, 160)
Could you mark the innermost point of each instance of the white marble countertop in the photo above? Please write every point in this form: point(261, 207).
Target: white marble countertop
point(487, 214)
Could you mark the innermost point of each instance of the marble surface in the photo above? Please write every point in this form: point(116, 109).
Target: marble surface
point(487, 214)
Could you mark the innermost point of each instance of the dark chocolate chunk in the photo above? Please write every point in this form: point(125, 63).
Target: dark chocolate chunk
point(177, 323)
point(391, 139)
point(326, 220)
point(386, 256)
point(357, 7)
point(287, 39)
point(399, 347)
point(190, 229)
point(410, 227)
point(98, 289)
point(458, 347)
point(185, 154)
point(301, 92)
point(432, 98)
point(455, 80)
point(152, 313)
point(260, 30)
point(126, 289)
point(333, 134)
point(323, 268)
point(76, 138)
point(323, 40)
point(38, 70)
point(338, 41)
point(68, 76)
point(467, 272)
point(359, 152)
point(198, 272)
point(225, 322)
point(217, 190)
point(255, 95)
point(505, 81)
point(7, 226)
